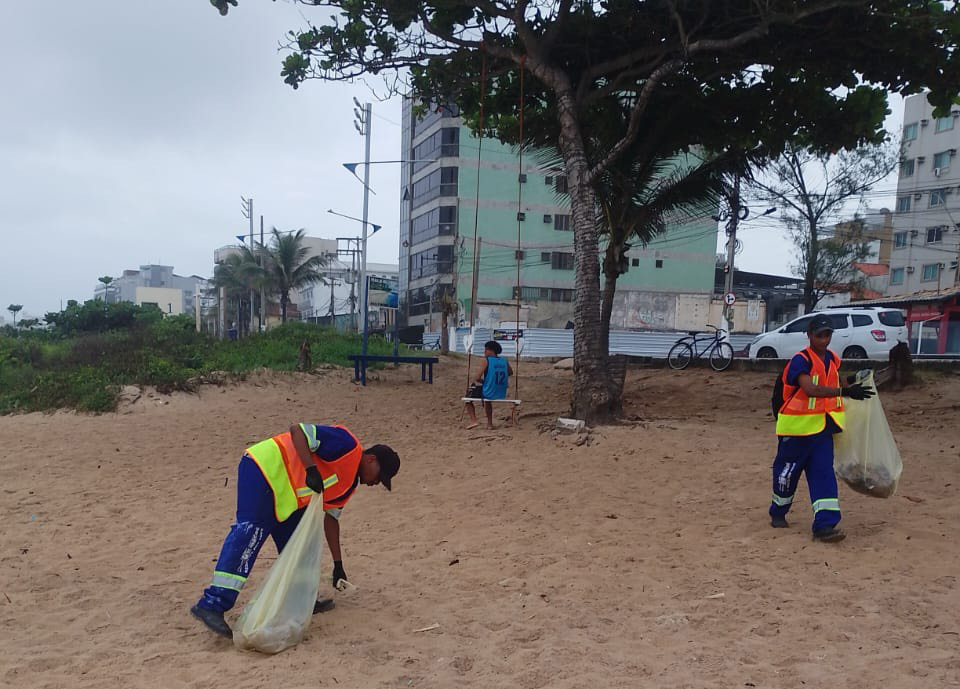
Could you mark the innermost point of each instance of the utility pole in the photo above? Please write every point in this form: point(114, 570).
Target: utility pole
point(263, 264)
point(247, 210)
point(364, 114)
point(732, 221)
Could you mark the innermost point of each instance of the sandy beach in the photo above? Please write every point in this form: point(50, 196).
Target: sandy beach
point(637, 555)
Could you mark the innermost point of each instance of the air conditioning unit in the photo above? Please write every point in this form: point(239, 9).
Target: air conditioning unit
point(918, 196)
point(921, 159)
point(953, 151)
point(914, 233)
point(548, 218)
point(924, 123)
point(910, 269)
point(953, 265)
point(937, 171)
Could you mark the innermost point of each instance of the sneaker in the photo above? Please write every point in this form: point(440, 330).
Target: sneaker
point(832, 534)
point(214, 621)
point(324, 605)
point(778, 522)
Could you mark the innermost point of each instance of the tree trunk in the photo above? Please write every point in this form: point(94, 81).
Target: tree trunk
point(810, 279)
point(595, 396)
point(611, 273)
point(284, 296)
point(444, 333)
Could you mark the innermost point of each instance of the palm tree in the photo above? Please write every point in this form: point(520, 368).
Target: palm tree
point(14, 309)
point(106, 280)
point(237, 275)
point(289, 266)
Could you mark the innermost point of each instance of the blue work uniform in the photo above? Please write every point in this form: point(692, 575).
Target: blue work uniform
point(257, 519)
point(495, 380)
point(811, 455)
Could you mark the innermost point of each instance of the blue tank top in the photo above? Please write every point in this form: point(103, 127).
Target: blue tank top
point(495, 381)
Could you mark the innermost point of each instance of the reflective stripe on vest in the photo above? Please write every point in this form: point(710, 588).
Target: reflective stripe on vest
point(283, 470)
point(802, 415)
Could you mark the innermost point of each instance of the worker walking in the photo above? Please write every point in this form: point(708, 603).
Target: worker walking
point(276, 479)
point(811, 413)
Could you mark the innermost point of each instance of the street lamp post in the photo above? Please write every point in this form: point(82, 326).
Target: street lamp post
point(363, 116)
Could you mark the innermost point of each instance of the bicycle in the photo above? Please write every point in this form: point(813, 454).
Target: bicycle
point(686, 349)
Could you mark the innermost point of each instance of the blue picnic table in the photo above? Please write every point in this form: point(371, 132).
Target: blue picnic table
point(361, 361)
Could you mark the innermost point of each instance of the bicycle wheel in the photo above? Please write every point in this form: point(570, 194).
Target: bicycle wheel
point(679, 356)
point(721, 357)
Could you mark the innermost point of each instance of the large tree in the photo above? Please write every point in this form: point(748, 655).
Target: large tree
point(813, 190)
point(14, 309)
point(794, 60)
point(237, 276)
point(290, 266)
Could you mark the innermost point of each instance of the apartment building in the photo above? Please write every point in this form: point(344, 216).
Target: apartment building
point(926, 222)
point(153, 284)
point(455, 183)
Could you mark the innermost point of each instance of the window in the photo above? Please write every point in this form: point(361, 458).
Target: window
point(907, 168)
point(438, 259)
point(931, 272)
point(941, 161)
point(892, 318)
point(838, 321)
point(896, 276)
point(903, 204)
point(899, 240)
point(798, 326)
point(934, 235)
point(448, 181)
point(561, 260)
point(443, 142)
point(545, 256)
point(547, 219)
point(861, 321)
point(944, 124)
point(561, 184)
point(549, 180)
point(561, 223)
point(938, 197)
point(658, 263)
point(557, 294)
point(440, 221)
point(910, 132)
point(635, 262)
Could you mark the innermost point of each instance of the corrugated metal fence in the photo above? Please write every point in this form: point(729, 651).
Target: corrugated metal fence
point(554, 343)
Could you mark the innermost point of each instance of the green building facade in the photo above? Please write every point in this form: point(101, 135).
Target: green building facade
point(464, 184)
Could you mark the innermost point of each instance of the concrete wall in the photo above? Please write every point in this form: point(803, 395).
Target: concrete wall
point(168, 299)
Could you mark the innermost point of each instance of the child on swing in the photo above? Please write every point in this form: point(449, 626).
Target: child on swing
point(492, 382)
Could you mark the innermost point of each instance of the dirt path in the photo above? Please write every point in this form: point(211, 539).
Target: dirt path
point(640, 558)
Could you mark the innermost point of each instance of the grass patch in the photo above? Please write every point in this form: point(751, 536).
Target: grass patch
point(40, 371)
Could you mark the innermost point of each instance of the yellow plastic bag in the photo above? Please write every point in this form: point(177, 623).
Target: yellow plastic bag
point(279, 613)
point(865, 454)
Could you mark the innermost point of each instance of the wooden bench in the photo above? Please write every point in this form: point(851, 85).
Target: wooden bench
point(360, 363)
point(513, 414)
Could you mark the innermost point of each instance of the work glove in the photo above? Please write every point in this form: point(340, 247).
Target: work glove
point(338, 572)
point(314, 480)
point(858, 392)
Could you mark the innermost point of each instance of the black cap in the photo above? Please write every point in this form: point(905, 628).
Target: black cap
point(389, 463)
point(818, 324)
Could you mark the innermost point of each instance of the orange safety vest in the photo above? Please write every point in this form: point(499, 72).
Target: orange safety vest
point(283, 470)
point(801, 415)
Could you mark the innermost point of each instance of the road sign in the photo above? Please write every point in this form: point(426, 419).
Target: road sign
point(729, 298)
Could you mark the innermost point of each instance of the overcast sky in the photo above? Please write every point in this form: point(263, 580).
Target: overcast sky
point(129, 131)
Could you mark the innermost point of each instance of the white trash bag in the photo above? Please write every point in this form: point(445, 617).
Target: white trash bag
point(279, 613)
point(865, 454)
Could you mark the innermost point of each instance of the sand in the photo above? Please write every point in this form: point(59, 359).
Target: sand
point(641, 557)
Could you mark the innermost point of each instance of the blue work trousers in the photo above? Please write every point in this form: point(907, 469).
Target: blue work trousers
point(811, 455)
point(256, 519)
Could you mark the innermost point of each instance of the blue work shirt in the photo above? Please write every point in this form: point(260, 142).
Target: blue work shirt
point(327, 442)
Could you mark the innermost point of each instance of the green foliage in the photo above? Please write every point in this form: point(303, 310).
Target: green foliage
point(43, 370)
